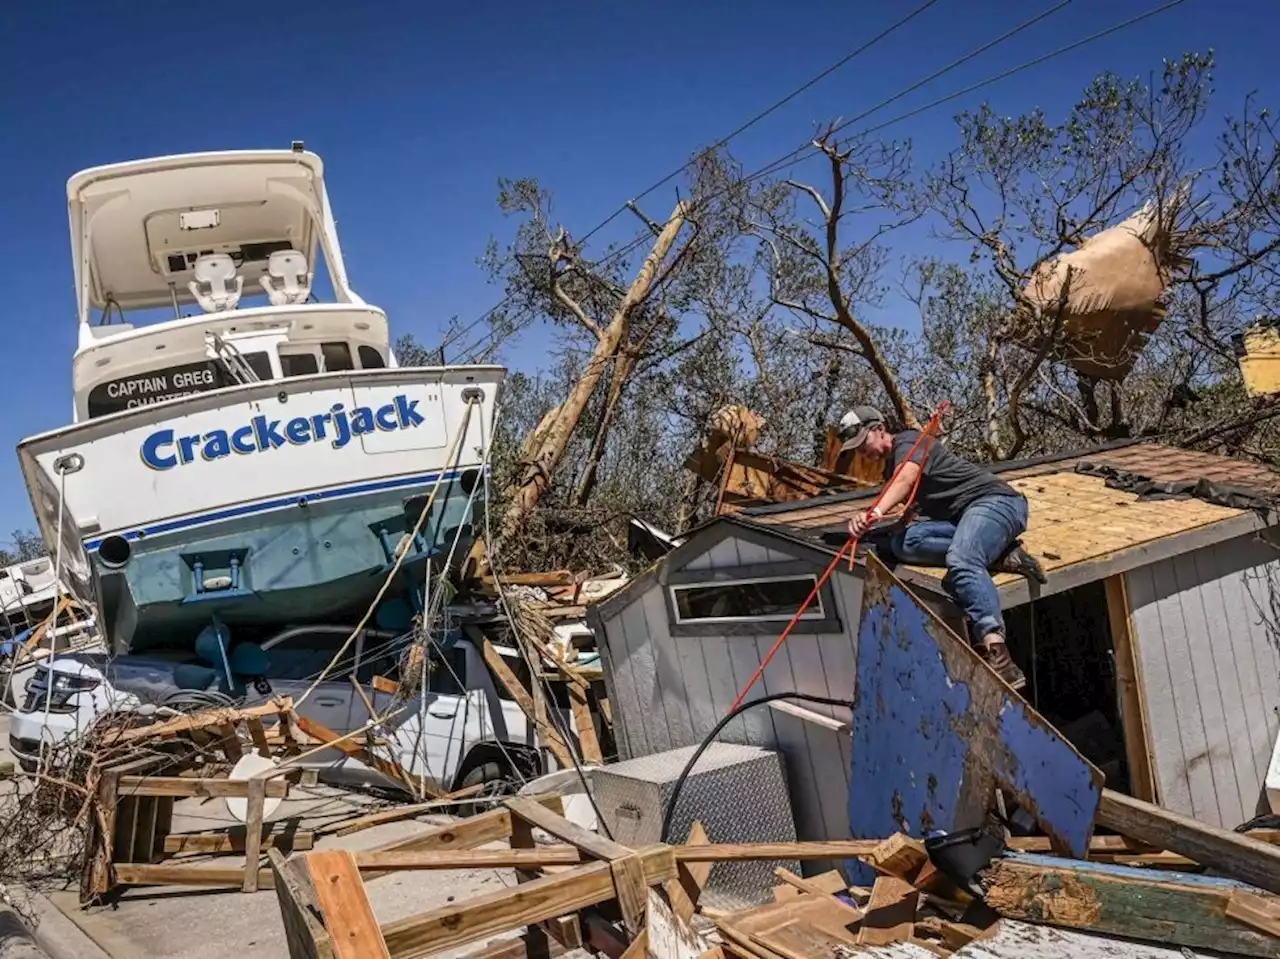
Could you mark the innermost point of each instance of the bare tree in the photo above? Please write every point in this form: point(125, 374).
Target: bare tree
point(818, 275)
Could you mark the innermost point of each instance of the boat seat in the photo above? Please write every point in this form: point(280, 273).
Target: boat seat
point(216, 287)
point(286, 280)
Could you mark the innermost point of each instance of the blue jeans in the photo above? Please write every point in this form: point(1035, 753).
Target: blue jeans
point(986, 529)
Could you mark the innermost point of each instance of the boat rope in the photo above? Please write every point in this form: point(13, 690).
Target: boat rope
point(926, 437)
point(453, 457)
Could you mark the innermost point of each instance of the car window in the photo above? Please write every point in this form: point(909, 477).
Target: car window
point(446, 670)
point(304, 657)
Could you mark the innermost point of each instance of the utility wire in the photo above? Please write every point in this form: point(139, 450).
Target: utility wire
point(801, 153)
point(742, 128)
point(766, 112)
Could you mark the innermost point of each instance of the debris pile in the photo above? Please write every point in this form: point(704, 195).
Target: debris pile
point(579, 890)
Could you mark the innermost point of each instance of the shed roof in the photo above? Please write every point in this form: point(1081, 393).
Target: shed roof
point(1079, 529)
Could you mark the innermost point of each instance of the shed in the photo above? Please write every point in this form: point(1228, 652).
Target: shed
point(1154, 646)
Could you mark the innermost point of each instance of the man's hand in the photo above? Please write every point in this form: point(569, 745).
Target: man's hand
point(864, 521)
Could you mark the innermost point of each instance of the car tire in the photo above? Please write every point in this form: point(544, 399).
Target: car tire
point(497, 779)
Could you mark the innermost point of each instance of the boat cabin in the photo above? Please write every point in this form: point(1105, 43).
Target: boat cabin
point(205, 271)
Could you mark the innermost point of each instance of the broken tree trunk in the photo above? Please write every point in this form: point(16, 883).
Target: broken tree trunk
point(549, 447)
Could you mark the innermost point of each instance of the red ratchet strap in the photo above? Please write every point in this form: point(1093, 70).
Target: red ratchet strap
point(929, 432)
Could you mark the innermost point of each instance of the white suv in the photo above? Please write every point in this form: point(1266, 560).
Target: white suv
point(465, 729)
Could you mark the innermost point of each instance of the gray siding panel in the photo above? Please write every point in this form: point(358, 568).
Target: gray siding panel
point(671, 691)
point(1206, 637)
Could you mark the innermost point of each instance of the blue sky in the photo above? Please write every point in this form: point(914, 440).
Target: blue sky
point(418, 108)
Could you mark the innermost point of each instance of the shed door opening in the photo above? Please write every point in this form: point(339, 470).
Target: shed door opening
point(1064, 644)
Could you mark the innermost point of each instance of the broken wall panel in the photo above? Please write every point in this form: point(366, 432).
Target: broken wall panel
point(935, 731)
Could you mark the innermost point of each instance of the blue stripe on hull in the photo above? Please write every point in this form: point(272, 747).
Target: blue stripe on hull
point(249, 509)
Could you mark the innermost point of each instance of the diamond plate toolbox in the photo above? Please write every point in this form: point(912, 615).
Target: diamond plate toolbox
point(739, 793)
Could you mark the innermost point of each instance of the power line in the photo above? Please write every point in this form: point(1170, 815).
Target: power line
point(766, 112)
point(772, 108)
point(806, 150)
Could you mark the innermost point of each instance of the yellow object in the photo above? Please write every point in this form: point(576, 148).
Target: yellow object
point(1260, 366)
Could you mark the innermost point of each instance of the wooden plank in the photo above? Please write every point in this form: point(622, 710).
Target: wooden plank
point(1133, 707)
point(1231, 853)
point(519, 948)
point(565, 930)
point(1262, 914)
point(685, 890)
point(233, 842)
point(458, 924)
point(900, 855)
point(891, 912)
point(255, 808)
point(305, 935)
point(530, 859)
point(585, 723)
point(144, 835)
point(853, 913)
point(166, 874)
point(464, 834)
point(1174, 910)
point(593, 844)
point(383, 685)
point(628, 876)
point(259, 736)
point(346, 827)
point(183, 786)
point(666, 935)
point(345, 906)
point(511, 683)
point(204, 720)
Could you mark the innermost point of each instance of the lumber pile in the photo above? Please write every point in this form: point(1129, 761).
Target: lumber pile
point(579, 890)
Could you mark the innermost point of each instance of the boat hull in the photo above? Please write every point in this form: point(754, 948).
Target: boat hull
point(274, 503)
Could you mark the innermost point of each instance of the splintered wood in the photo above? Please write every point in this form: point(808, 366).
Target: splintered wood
point(589, 891)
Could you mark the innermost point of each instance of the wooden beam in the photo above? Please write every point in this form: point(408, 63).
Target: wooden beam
point(1133, 705)
point(1262, 914)
point(345, 906)
point(233, 842)
point(464, 834)
point(204, 720)
point(554, 741)
point(1231, 853)
point(345, 827)
point(166, 874)
point(536, 858)
point(201, 788)
point(891, 912)
point(1135, 903)
point(853, 913)
point(456, 925)
point(685, 890)
point(305, 935)
point(628, 876)
point(255, 809)
point(586, 724)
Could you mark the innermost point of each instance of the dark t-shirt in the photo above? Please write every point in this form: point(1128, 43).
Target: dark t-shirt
point(950, 483)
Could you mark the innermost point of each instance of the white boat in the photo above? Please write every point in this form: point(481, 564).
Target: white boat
point(240, 451)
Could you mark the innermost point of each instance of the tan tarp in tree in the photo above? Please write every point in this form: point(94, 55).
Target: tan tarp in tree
point(1117, 279)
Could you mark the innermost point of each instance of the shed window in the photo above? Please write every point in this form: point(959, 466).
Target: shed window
point(747, 600)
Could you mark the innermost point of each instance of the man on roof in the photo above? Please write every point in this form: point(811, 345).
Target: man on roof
point(971, 526)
